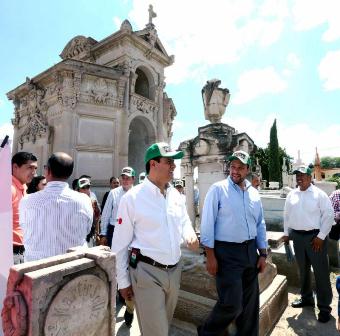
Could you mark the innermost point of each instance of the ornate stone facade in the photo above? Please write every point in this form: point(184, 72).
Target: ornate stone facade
point(97, 103)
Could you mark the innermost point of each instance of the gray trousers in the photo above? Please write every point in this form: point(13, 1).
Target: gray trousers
point(155, 293)
point(306, 257)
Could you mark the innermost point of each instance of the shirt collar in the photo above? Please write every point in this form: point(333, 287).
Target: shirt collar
point(18, 184)
point(310, 188)
point(236, 186)
point(52, 185)
point(153, 187)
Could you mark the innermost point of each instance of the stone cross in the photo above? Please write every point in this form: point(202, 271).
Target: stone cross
point(152, 14)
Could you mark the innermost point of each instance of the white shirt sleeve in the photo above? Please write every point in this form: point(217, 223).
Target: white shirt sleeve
point(286, 216)
point(326, 215)
point(188, 230)
point(121, 240)
point(107, 213)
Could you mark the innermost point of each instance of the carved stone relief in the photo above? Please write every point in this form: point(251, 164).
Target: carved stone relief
point(143, 105)
point(77, 47)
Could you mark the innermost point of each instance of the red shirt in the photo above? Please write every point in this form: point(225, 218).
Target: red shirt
point(18, 192)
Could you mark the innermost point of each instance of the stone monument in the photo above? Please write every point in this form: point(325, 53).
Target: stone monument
point(208, 150)
point(103, 104)
point(65, 295)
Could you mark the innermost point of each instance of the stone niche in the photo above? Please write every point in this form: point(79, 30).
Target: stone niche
point(67, 295)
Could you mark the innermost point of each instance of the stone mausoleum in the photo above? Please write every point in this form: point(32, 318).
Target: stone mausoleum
point(104, 103)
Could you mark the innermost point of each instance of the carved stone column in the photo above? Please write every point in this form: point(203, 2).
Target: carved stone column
point(188, 173)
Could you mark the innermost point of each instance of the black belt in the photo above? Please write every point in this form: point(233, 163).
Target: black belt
point(152, 262)
point(18, 249)
point(246, 242)
point(315, 231)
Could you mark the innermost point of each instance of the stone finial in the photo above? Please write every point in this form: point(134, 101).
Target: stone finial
point(126, 26)
point(152, 15)
point(215, 100)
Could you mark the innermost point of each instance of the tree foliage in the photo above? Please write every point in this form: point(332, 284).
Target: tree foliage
point(274, 168)
point(330, 162)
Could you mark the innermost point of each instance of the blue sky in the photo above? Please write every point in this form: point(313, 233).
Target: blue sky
point(279, 59)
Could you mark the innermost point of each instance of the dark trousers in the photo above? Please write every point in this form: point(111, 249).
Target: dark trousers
point(305, 258)
point(237, 289)
point(109, 234)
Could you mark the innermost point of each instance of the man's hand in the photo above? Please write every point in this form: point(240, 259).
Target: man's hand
point(338, 325)
point(261, 264)
point(212, 266)
point(317, 244)
point(192, 243)
point(126, 293)
point(103, 241)
point(286, 239)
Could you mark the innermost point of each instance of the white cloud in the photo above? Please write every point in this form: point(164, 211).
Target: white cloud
point(309, 14)
point(258, 82)
point(329, 70)
point(293, 61)
point(292, 137)
point(117, 21)
point(210, 33)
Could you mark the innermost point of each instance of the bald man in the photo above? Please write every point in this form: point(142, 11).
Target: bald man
point(56, 218)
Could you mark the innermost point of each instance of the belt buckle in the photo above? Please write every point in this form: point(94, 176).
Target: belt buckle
point(153, 263)
point(166, 267)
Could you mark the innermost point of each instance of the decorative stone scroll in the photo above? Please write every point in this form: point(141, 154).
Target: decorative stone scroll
point(78, 46)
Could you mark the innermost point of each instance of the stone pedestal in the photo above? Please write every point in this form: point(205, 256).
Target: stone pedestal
point(70, 294)
point(198, 293)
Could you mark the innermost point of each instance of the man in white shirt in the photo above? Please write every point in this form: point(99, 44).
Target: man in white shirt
point(152, 221)
point(109, 214)
point(308, 215)
point(56, 218)
point(109, 220)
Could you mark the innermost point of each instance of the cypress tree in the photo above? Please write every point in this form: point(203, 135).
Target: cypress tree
point(274, 156)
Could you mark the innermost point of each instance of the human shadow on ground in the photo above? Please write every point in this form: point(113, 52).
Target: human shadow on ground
point(305, 323)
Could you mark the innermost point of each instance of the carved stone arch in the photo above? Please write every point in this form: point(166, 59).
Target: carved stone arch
point(142, 134)
point(145, 82)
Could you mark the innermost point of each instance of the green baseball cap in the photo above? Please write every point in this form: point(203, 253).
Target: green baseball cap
point(128, 171)
point(303, 170)
point(161, 149)
point(242, 156)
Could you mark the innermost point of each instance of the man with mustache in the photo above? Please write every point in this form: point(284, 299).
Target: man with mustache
point(308, 215)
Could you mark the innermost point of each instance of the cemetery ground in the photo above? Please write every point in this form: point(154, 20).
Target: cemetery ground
point(293, 322)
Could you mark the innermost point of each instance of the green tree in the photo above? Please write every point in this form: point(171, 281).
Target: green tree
point(274, 167)
point(330, 162)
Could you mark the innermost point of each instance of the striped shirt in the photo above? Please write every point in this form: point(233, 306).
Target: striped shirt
point(53, 220)
point(335, 199)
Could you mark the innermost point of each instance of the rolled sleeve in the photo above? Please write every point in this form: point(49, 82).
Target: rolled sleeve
point(327, 216)
point(209, 215)
point(121, 241)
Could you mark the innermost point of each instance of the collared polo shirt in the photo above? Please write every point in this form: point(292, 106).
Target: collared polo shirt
point(18, 192)
point(152, 223)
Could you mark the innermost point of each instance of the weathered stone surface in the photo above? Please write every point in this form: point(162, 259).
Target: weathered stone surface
point(61, 293)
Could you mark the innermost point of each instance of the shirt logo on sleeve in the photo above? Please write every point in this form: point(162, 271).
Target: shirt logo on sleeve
point(119, 220)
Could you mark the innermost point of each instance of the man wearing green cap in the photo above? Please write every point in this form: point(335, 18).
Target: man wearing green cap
point(152, 222)
point(308, 215)
point(233, 233)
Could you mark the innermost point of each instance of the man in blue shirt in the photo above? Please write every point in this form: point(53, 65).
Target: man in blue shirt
point(233, 233)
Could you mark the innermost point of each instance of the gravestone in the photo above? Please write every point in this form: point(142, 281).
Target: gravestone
point(67, 295)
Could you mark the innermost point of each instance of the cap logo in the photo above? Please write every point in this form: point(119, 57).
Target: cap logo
point(240, 155)
point(166, 149)
point(126, 171)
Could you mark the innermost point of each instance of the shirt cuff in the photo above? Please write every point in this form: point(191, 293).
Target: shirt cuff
point(124, 282)
point(321, 235)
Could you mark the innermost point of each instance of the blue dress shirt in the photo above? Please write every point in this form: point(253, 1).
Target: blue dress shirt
point(233, 215)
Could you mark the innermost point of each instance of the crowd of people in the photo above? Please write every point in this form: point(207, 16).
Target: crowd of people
point(145, 225)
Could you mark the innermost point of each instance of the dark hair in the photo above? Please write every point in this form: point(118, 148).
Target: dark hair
point(147, 165)
point(75, 184)
point(112, 179)
point(21, 158)
point(33, 186)
point(60, 165)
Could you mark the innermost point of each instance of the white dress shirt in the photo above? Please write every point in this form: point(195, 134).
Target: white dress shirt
point(53, 220)
point(151, 222)
point(308, 210)
point(109, 215)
